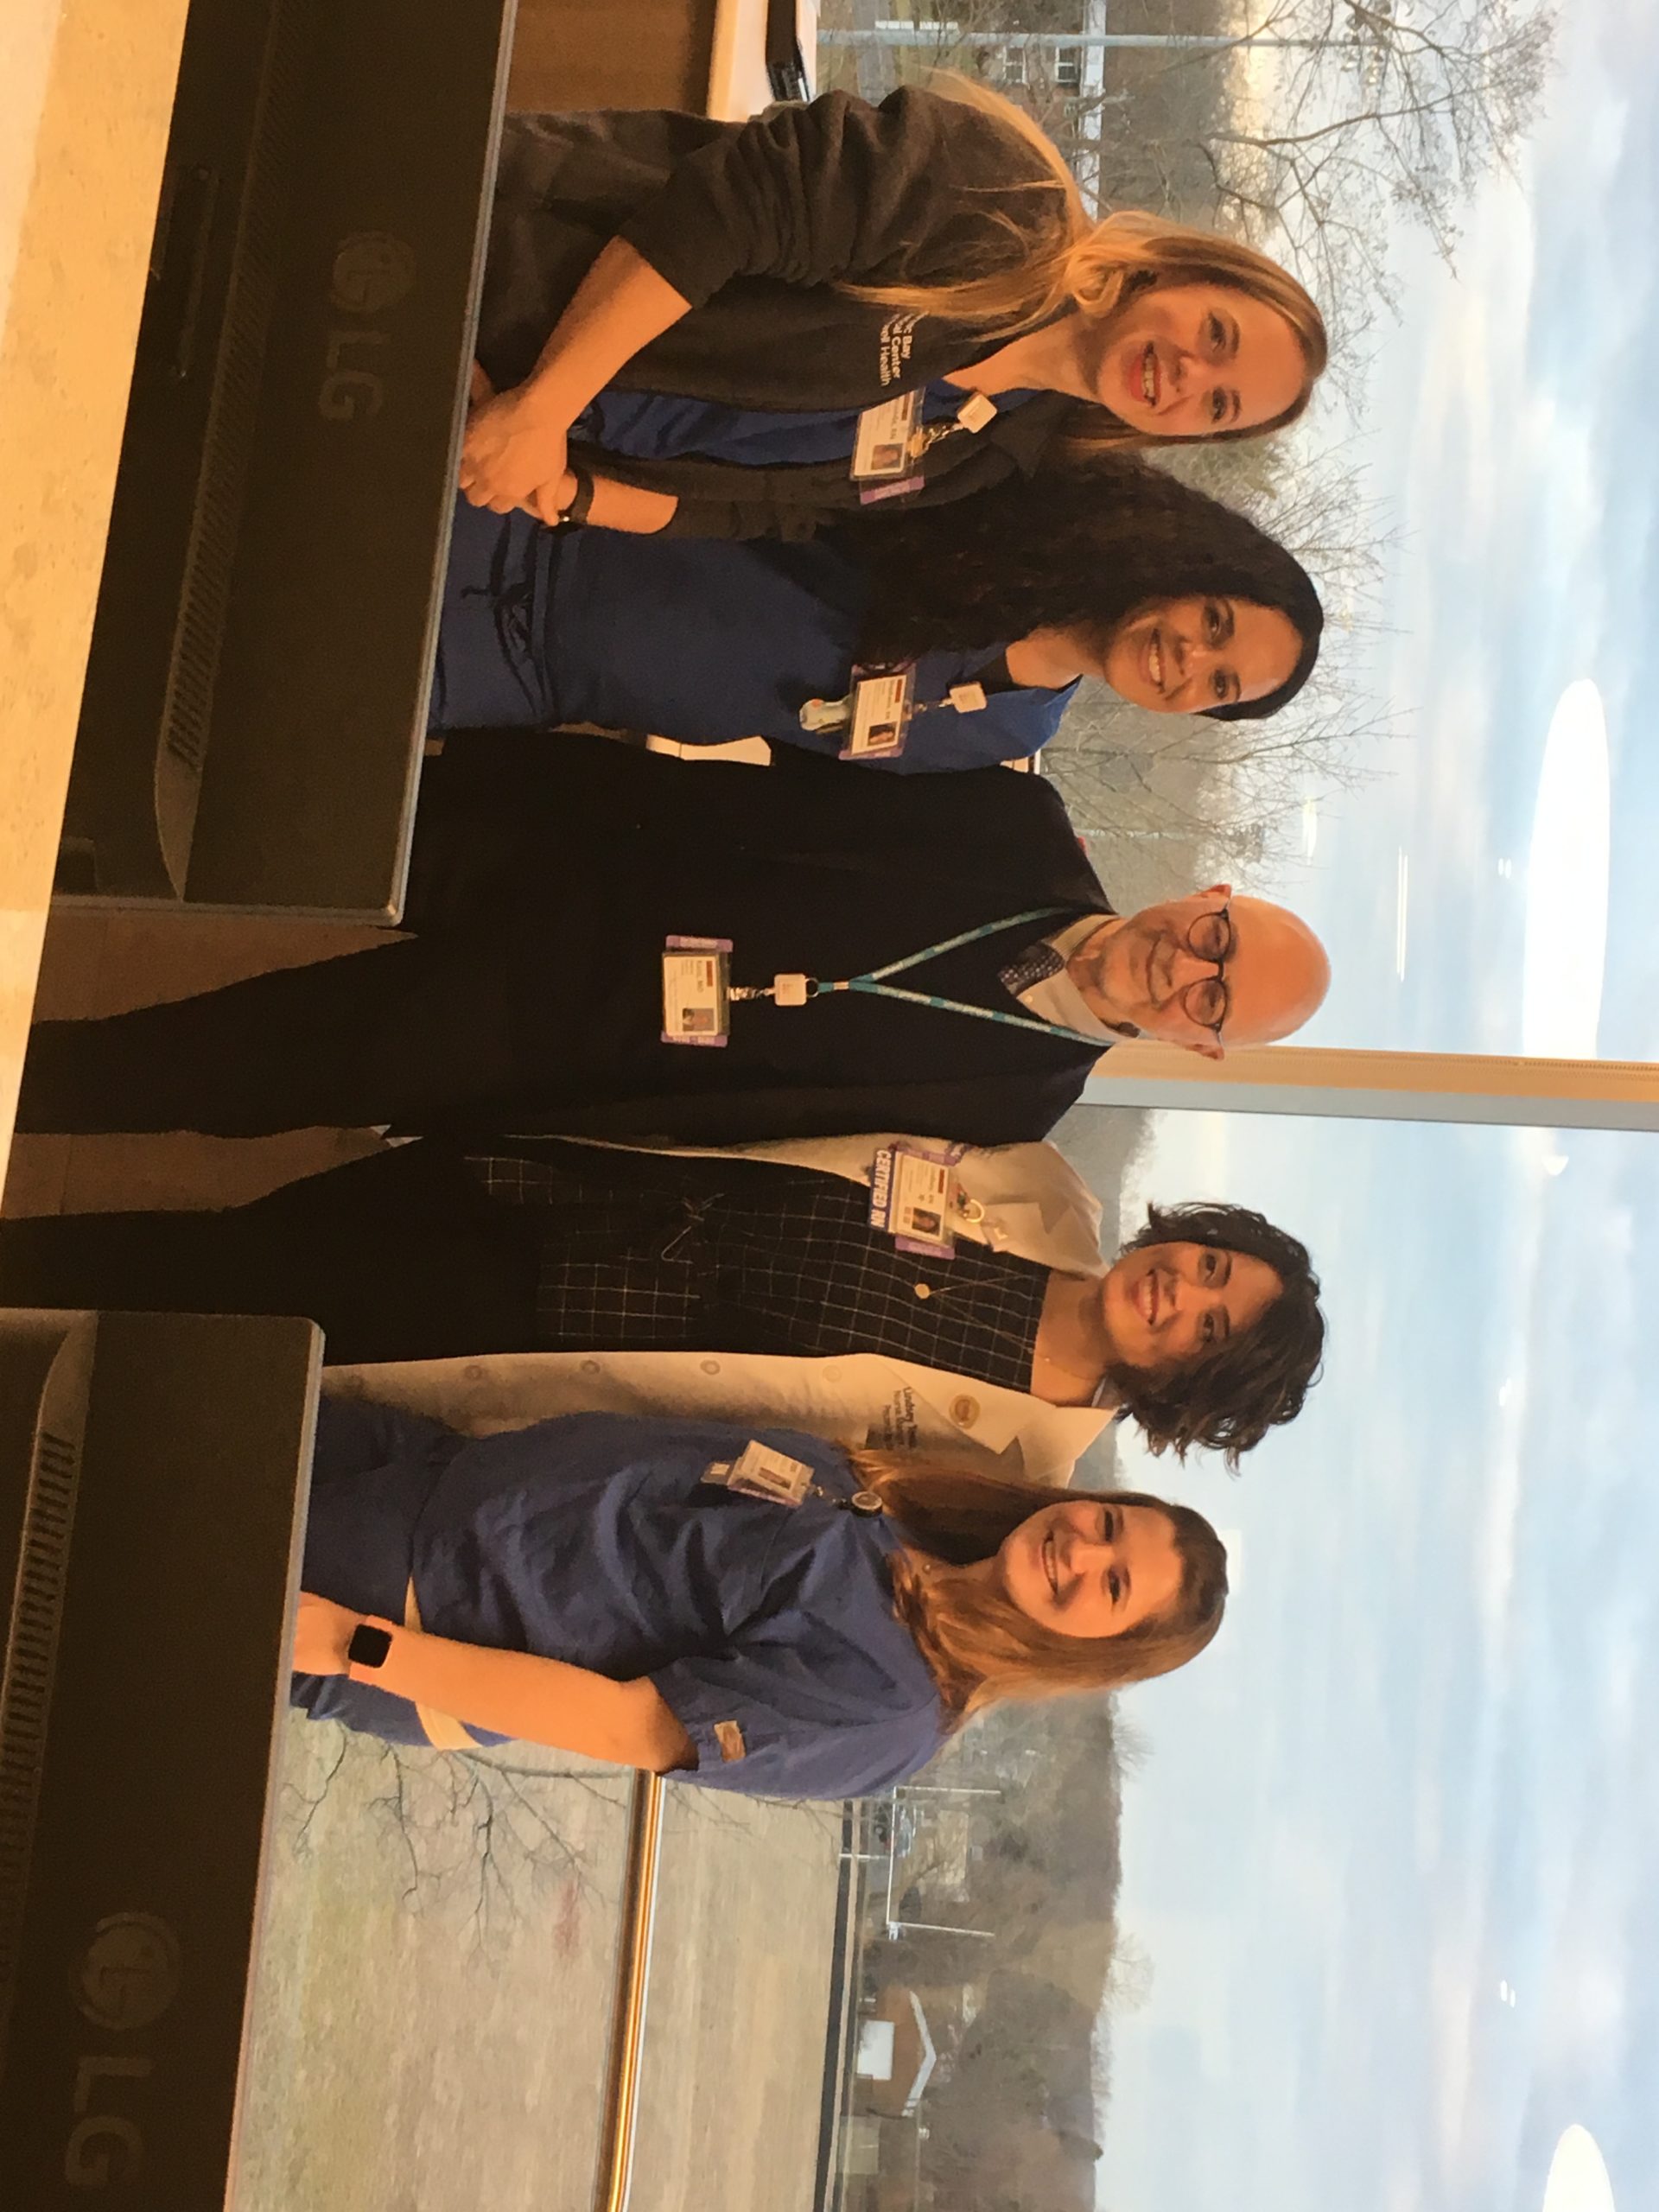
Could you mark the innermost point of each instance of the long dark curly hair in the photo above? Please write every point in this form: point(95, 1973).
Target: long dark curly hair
point(1076, 548)
point(1258, 1378)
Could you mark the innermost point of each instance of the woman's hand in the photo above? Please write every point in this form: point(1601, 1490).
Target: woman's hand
point(514, 453)
point(321, 1632)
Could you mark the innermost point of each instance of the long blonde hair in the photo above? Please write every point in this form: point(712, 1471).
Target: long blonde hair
point(1067, 259)
point(980, 1648)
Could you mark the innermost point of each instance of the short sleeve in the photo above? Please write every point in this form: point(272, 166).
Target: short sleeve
point(765, 1723)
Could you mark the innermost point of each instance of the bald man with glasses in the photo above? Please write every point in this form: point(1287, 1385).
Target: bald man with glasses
point(610, 943)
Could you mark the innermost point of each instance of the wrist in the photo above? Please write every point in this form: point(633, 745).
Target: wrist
point(544, 395)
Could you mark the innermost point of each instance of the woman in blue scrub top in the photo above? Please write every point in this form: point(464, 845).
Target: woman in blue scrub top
point(606, 1584)
point(998, 605)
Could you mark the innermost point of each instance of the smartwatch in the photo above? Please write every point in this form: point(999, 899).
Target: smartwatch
point(369, 1646)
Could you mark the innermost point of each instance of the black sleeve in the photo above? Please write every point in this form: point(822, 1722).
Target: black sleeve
point(838, 190)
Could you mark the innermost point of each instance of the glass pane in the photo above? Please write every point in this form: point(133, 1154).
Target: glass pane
point(1358, 1907)
point(432, 2005)
point(742, 1982)
point(1460, 801)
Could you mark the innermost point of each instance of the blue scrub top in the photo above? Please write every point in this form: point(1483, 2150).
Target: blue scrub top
point(768, 1629)
point(701, 639)
point(657, 426)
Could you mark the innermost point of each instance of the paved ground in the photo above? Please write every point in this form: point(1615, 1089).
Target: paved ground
point(430, 2023)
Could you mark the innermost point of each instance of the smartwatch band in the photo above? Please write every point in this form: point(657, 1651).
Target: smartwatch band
point(582, 499)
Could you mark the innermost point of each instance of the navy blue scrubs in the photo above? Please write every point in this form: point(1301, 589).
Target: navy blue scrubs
point(701, 639)
point(768, 1629)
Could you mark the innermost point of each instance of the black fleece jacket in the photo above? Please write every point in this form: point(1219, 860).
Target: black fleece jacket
point(759, 225)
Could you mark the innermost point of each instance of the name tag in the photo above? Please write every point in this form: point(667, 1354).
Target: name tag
point(758, 1472)
point(882, 709)
point(697, 990)
point(912, 1196)
point(885, 443)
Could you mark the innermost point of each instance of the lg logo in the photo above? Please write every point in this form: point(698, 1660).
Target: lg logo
point(374, 272)
point(123, 1981)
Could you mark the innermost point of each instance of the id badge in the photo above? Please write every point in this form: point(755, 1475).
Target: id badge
point(758, 1472)
point(912, 1197)
point(697, 990)
point(882, 710)
point(885, 443)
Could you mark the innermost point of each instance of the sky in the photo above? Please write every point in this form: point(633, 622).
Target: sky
point(1393, 1847)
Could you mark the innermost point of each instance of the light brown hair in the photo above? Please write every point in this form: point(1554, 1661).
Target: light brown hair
point(1068, 260)
point(980, 1650)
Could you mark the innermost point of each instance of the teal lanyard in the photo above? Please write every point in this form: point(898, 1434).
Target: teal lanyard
point(873, 985)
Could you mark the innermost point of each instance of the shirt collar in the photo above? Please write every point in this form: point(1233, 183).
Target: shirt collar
point(1057, 998)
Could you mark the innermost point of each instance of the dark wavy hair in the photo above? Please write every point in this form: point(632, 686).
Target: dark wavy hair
point(1260, 1377)
point(1076, 548)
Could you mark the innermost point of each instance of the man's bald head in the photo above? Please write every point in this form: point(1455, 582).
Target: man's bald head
point(1173, 971)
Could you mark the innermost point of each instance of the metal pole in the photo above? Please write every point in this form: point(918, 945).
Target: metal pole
point(1508, 1091)
point(938, 1928)
point(621, 2104)
point(926, 33)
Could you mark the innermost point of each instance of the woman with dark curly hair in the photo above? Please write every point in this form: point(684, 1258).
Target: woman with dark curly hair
point(961, 634)
point(1014, 1329)
point(1250, 1380)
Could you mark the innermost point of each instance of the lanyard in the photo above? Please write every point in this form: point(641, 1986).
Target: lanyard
point(874, 983)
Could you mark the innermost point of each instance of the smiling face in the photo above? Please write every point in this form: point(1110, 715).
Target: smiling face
point(1184, 656)
point(1192, 360)
point(1148, 971)
point(1092, 1567)
point(1167, 1307)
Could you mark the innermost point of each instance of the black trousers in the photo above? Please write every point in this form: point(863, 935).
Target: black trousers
point(416, 1032)
point(402, 1256)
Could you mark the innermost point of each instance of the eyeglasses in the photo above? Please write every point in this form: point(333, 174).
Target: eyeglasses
point(1208, 1002)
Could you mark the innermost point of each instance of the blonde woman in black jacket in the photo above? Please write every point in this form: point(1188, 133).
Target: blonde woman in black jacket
point(709, 313)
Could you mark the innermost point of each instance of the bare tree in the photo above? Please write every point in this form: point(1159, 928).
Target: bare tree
point(1397, 106)
point(1306, 126)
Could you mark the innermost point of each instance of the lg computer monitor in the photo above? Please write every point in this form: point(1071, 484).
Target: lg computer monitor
point(256, 695)
point(153, 1472)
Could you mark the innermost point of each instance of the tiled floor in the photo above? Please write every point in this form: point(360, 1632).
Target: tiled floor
point(103, 963)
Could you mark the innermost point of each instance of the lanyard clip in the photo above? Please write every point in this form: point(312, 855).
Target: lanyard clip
point(783, 990)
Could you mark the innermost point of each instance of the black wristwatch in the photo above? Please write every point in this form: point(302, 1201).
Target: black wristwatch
point(369, 1645)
